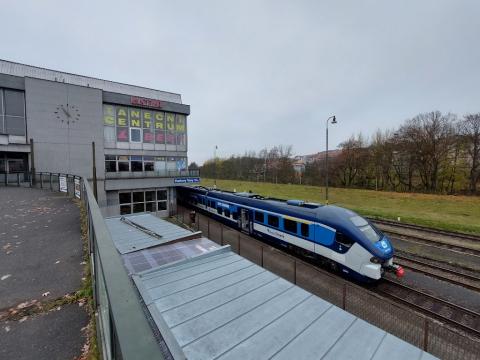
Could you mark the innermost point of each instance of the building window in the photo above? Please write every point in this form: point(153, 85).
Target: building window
point(136, 163)
point(110, 163)
point(135, 125)
point(259, 217)
point(12, 112)
point(148, 163)
point(290, 225)
point(123, 163)
point(142, 200)
point(273, 220)
point(135, 135)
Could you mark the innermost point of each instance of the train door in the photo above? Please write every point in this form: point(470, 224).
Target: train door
point(244, 220)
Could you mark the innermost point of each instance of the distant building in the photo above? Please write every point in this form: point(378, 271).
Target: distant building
point(140, 135)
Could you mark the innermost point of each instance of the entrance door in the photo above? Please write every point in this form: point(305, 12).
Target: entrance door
point(244, 220)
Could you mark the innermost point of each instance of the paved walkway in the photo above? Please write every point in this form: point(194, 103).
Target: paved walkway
point(40, 261)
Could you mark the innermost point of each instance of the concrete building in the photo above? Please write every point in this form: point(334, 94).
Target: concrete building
point(140, 135)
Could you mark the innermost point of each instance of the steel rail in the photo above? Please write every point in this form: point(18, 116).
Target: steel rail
point(436, 244)
point(435, 275)
point(430, 312)
point(426, 229)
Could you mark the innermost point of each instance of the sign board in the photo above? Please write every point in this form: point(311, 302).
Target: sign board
point(62, 180)
point(77, 188)
point(153, 103)
point(186, 180)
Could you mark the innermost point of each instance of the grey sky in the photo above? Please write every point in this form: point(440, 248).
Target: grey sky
point(260, 73)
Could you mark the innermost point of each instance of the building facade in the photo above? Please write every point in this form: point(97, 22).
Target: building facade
point(139, 135)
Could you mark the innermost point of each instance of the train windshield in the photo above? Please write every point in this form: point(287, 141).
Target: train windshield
point(366, 228)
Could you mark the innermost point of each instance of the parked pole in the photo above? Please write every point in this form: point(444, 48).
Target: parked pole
point(334, 121)
point(94, 169)
point(32, 161)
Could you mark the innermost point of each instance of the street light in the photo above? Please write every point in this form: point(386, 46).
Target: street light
point(215, 166)
point(334, 121)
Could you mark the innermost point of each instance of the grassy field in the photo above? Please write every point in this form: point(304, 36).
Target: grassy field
point(455, 213)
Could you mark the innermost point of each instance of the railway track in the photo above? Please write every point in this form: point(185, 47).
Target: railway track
point(427, 229)
point(445, 311)
point(467, 279)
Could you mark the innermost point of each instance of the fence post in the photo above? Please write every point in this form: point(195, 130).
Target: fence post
point(221, 234)
point(51, 185)
point(425, 334)
point(18, 179)
point(6, 179)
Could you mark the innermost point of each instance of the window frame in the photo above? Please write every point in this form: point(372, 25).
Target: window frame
point(257, 219)
point(277, 221)
point(294, 223)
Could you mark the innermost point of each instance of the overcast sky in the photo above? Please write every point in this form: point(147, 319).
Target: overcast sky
point(260, 73)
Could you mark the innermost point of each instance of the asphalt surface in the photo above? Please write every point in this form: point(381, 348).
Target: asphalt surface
point(40, 259)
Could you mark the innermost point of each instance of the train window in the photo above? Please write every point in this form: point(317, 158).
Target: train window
point(290, 225)
point(259, 216)
point(235, 216)
point(273, 220)
point(227, 213)
point(220, 210)
point(370, 233)
point(343, 239)
point(304, 229)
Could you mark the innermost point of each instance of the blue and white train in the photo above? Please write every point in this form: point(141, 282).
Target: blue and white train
point(331, 234)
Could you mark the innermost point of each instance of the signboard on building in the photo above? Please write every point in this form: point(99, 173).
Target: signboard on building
point(62, 181)
point(186, 180)
point(152, 103)
point(77, 188)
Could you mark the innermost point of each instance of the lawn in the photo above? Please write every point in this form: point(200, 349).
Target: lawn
point(455, 213)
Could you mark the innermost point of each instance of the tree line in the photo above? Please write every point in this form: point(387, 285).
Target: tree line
point(431, 152)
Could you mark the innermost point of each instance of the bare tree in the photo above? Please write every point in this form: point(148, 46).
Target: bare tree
point(470, 130)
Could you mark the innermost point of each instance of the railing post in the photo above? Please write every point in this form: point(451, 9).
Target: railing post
point(51, 185)
point(425, 334)
point(32, 162)
point(6, 178)
point(41, 180)
point(221, 234)
point(18, 179)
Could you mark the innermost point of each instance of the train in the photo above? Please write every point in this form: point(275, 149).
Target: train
point(334, 236)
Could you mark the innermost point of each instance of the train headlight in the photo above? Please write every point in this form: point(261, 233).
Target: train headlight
point(375, 260)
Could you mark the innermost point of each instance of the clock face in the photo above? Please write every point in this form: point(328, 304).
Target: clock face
point(67, 113)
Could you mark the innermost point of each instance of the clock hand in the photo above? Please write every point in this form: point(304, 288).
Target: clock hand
point(65, 111)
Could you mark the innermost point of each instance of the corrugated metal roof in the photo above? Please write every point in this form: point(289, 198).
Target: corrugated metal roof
point(128, 238)
point(17, 69)
point(221, 306)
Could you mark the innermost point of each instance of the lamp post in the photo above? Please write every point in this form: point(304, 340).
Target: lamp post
point(334, 121)
point(215, 166)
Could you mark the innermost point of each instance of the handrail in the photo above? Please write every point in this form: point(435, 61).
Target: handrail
point(133, 332)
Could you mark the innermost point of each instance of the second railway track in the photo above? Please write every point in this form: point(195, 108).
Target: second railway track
point(467, 279)
point(455, 315)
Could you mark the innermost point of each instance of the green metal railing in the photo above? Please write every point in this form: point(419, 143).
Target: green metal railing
point(123, 330)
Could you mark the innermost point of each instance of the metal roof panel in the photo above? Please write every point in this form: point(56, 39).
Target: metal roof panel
point(219, 305)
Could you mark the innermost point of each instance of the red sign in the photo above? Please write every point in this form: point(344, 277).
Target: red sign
point(152, 103)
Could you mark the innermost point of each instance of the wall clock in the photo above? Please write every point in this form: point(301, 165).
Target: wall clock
point(67, 113)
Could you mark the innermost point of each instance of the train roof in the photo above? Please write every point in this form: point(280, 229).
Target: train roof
point(329, 215)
